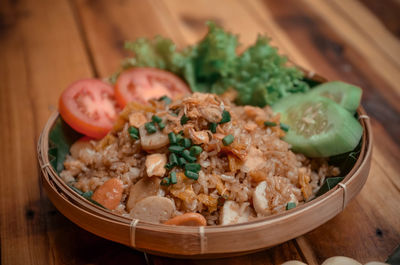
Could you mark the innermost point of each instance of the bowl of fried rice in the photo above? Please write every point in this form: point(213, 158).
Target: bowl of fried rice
point(162, 163)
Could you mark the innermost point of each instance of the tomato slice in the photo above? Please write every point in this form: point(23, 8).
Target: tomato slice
point(141, 84)
point(89, 107)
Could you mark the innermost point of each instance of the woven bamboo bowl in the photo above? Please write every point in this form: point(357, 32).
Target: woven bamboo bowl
point(204, 242)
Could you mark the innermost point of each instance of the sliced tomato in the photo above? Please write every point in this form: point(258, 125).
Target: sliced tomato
point(89, 107)
point(142, 84)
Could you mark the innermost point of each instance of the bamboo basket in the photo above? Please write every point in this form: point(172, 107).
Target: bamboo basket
point(205, 242)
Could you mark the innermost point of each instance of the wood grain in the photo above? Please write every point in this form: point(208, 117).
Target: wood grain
point(45, 45)
point(38, 61)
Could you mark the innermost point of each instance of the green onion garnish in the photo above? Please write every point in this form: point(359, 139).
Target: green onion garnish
point(284, 127)
point(213, 127)
point(184, 119)
point(150, 127)
point(173, 159)
point(156, 119)
point(226, 117)
point(165, 181)
point(133, 132)
point(227, 140)
point(172, 138)
point(290, 205)
point(176, 149)
point(194, 167)
point(181, 161)
point(191, 174)
point(169, 166)
point(166, 100)
point(186, 142)
point(270, 123)
point(195, 150)
point(173, 178)
point(161, 125)
point(179, 138)
point(188, 157)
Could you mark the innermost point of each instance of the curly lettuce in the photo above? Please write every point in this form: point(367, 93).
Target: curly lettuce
point(260, 75)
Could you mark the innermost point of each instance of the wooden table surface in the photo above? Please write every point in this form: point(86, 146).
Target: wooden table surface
point(47, 44)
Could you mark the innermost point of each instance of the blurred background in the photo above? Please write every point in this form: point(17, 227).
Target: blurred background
point(47, 44)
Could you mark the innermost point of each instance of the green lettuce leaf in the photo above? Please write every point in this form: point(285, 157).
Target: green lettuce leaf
point(260, 75)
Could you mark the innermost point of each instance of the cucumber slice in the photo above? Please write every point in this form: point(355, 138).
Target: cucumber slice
point(346, 95)
point(318, 126)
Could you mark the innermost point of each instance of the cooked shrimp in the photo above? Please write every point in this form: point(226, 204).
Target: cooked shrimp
point(109, 194)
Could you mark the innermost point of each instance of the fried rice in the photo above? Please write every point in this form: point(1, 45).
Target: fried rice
point(255, 175)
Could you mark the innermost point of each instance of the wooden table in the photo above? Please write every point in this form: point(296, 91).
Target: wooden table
point(47, 44)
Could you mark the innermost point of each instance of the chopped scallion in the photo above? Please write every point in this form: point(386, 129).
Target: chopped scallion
point(173, 178)
point(150, 127)
point(156, 119)
point(227, 140)
point(270, 123)
point(161, 125)
point(226, 117)
point(176, 149)
point(188, 157)
point(133, 132)
point(172, 138)
point(290, 205)
point(284, 127)
point(213, 127)
point(186, 142)
point(194, 167)
point(173, 159)
point(166, 100)
point(195, 150)
point(191, 174)
point(184, 119)
point(181, 161)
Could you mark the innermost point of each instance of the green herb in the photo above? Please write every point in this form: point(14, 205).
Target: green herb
point(188, 157)
point(176, 149)
point(226, 117)
point(184, 119)
point(284, 127)
point(173, 178)
point(227, 140)
point(169, 166)
point(191, 174)
point(195, 150)
point(88, 194)
point(259, 74)
point(193, 167)
point(290, 205)
point(165, 181)
point(166, 100)
point(186, 142)
point(173, 159)
point(150, 127)
point(133, 132)
point(329, 184)
point(270, 123)
point(156, 119)
point(75, 189)
point(181, 161)
point(213, 127)
point(161, 125)
point(179, 138)
point(172, 138)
